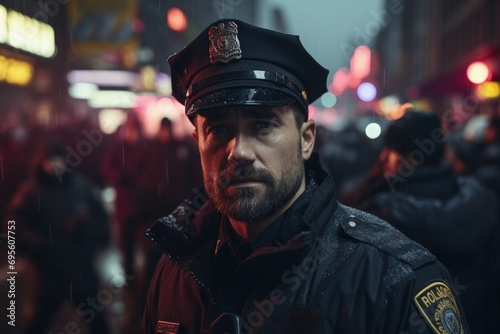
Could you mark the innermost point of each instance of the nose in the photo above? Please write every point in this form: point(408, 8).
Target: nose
point(241, 151)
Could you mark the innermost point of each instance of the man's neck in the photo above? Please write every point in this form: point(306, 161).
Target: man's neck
point(249, 231)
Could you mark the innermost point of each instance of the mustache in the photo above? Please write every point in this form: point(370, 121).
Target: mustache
point(238, 173)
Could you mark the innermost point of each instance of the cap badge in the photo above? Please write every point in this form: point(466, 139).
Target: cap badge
point(224, 43)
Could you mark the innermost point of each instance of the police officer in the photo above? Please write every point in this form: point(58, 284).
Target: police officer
point(264, 246)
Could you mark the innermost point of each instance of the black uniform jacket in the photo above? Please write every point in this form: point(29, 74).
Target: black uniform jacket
point(329, 269)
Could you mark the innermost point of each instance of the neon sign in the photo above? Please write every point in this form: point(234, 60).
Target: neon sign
point(27, 34)
point(15, 72)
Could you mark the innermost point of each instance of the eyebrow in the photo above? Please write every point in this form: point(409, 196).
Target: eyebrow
point(214, 117)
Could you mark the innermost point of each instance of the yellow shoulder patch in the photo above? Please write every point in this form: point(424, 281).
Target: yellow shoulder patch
point(437, 305)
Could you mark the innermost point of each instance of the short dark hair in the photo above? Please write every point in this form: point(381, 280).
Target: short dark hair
point(298, 113)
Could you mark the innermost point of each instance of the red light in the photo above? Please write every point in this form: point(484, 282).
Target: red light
point(360, 62)
point(137, 26)
point(176, 19)
point(340, 81)
point(478, 72)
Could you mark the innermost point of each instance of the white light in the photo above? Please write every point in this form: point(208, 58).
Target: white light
point(373, 130)
point(3, 24)
point(328, 100)
point(367, 91)
point(27, 34)
point(478, 72)
point(108, 195)
point(104, 78)
point(111, 119)
point(82, 90)
point(112, 99)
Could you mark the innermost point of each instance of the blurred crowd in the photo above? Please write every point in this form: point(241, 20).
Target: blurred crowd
point(442, 189)
point(75, 192)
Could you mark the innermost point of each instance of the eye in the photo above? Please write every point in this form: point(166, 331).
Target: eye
point(262, 125)
point(218, 130)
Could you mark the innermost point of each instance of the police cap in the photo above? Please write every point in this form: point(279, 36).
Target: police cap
point(232, 63)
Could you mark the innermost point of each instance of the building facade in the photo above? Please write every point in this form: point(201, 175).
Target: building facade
point(426, 49)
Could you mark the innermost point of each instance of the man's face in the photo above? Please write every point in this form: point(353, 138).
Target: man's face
point(252, 159)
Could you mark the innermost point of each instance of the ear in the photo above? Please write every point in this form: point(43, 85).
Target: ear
point(308, 135)
point(195, 130)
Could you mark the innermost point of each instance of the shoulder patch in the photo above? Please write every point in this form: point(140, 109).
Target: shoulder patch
point(437, 306)
point(165, 327)
point(383, 236)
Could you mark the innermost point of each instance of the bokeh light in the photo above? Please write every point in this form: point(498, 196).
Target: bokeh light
point(488, 90)
point(176, 19)
point(328, 100)
point(367, 91)
point(478, 72)
point(373, 130)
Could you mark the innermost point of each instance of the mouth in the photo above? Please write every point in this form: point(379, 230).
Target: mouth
point(245, 182)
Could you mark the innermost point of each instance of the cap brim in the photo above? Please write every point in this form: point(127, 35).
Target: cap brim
point(239, 97)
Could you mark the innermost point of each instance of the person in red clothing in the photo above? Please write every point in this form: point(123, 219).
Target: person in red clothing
point(122, 167)
point(60, 227)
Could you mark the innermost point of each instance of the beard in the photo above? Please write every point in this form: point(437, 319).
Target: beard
point(249, 204)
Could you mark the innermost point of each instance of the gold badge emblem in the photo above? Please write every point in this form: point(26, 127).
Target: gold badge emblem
point(437, 305)
point(224, 43)
point(165, 327)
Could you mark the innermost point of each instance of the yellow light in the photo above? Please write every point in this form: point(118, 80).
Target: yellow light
point(488, 90)
point(3, 68)
point(388, 103)
point(43, 112)
point(15, 72)
point(478, 72)
point(110, 119)
point(148, 78)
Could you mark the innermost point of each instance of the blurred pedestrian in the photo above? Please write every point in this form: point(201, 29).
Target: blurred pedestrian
point(123, 167)
point(60, 227)
point(265, 246)
point(348, 153)
point(16, 150)
point(169, 173)
point(488, 172)
point(172, 170)
point(479, 157)
point(454, 217)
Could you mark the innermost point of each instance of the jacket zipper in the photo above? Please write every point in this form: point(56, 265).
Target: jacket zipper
point(209, 314)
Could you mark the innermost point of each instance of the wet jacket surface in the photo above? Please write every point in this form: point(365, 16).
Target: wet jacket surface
point(330, 269)
point(453, 217)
